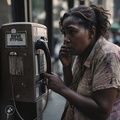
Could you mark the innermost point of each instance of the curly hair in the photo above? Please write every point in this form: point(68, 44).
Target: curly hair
point(91, 16)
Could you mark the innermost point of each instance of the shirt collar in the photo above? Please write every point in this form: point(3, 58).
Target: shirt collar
point(92, 53)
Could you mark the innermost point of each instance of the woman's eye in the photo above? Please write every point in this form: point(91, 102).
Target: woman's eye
point(71, 31)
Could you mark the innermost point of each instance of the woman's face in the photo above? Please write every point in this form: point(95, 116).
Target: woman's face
point(76, 37)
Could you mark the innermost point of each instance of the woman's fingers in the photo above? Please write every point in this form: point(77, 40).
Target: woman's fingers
point(46, 75)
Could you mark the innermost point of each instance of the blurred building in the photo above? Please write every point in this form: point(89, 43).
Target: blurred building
point(48, 12)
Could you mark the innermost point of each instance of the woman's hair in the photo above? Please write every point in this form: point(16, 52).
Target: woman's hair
point(88, 17)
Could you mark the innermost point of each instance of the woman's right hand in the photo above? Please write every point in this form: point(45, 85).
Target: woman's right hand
point(65, 56)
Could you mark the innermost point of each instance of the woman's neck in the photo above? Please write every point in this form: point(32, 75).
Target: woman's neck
point(87, 51)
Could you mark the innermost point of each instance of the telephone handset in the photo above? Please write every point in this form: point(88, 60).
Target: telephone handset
point(40, 44)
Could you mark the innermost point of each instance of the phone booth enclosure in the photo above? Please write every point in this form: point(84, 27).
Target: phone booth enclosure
point(21, 67)
point(21, 63)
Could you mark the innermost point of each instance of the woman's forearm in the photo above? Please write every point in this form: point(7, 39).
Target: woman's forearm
point(86, 105)
point(67, 72)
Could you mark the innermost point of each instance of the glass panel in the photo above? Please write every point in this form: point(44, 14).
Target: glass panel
point(38, 11)
point(5, 11)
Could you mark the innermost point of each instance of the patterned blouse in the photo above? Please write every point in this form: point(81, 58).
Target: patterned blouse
point(101, 70)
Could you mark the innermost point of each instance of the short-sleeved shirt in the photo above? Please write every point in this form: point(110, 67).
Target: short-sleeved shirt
point(102, 72)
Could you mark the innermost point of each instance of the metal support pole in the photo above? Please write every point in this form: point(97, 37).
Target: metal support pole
point(70, 4)
point(82, 2)
point(29, 10)
point(49, 23)
point(21, 10)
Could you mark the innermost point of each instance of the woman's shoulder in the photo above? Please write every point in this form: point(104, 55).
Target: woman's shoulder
point(106, 50)
point(109, 47)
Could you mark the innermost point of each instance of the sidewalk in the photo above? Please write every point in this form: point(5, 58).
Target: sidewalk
point(54, 107)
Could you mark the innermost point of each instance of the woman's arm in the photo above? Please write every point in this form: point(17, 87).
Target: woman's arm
point(67, 72)
point(98, 107)
point(66, 60)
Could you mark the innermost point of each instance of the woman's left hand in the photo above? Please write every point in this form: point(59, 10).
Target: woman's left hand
point(54, 82)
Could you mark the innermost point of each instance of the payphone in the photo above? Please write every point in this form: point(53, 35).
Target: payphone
point(24, 57)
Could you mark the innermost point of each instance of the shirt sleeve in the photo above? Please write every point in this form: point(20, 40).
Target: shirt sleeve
point(107, 72)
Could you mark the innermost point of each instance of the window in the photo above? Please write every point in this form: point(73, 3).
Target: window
point(38, 11)
point(5, 11)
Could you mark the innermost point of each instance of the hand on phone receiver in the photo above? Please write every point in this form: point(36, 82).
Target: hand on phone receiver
point(65, 56)
point(54, 82)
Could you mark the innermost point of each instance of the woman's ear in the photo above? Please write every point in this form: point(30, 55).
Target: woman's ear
point(92, 32)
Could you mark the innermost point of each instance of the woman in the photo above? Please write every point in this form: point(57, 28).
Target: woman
point(92, 85)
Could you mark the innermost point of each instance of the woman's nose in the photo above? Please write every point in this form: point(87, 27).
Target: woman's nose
point(66, 40)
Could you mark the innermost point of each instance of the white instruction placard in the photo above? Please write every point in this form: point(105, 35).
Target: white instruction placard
point(15, 39)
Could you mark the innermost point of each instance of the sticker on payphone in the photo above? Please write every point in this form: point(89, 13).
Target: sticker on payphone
point(16, 39)
point(16, 65)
